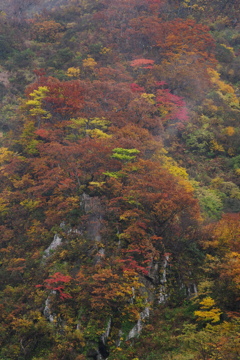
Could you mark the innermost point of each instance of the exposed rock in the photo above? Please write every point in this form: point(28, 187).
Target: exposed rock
point(153, 275)
point(105, 335)
point(47, 310)
point(162, 295)
point(192, 290)
point(138, 327)
point(57, 241)
point(93, 208)
point(119, 340)
point(162, 291)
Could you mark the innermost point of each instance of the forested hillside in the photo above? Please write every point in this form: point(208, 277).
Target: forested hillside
point(119, 180)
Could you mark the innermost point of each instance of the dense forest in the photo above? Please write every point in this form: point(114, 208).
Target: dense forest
point(119, 180)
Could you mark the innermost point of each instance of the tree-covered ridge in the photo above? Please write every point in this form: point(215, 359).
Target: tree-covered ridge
point(120, 181)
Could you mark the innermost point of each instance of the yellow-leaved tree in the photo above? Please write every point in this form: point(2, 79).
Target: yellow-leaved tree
point(208, 311)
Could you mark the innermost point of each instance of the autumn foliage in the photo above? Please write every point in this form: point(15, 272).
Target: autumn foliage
point(119, 182)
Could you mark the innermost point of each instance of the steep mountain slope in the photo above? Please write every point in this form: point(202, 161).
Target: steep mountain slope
point(119, 206)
